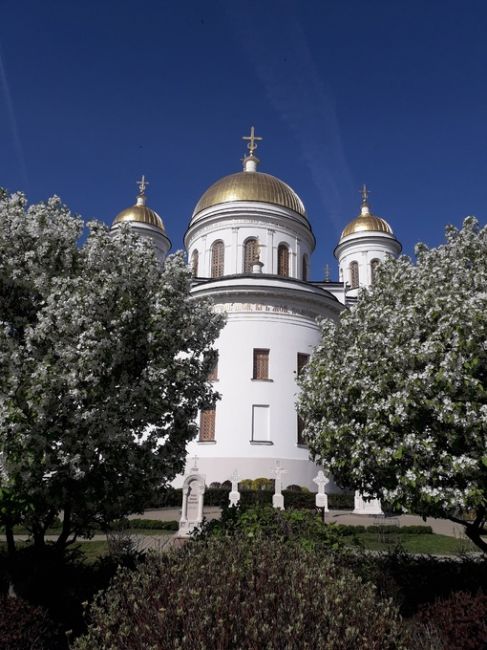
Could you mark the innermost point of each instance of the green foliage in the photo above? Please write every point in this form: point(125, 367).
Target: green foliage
point(460, 620)
point(416, 580)
point(59, 582)
point(264, 522)
point(402, 530)
point(341, 501)
point(152, 524)
point(232, 593)
point(25, 627)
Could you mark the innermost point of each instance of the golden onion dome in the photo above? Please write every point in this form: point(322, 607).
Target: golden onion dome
point(140, 212)
point(366, 222)
point(251, 186)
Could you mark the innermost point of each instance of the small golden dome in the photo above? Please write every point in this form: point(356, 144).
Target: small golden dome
point(251, 186)
point(366, 222)
point(140, 213)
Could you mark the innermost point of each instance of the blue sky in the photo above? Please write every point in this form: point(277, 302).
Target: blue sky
point(388, 92)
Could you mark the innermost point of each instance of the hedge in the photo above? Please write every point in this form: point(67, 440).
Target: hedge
point(172, 498)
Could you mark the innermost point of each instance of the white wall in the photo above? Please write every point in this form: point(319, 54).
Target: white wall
point(271, 225)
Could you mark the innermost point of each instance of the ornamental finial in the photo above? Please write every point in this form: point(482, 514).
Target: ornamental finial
point(142, 185)
point(252, 138)
point(365, 195)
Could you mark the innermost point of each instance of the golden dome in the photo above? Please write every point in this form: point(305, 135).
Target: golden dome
point(140, 213)
point(366, 222)
point(251, 186)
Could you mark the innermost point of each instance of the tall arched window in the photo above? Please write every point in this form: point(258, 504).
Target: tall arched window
point(217, 259)
point(283, 260)
point(251, 250)
point(305, 269)
point(374, 265)
point(354, 279)
point(194, 263)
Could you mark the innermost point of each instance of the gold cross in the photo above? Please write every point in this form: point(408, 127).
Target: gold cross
point(142, 185)
point(365, 194)
point(252, 138)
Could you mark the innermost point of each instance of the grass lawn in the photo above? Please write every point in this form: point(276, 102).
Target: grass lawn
point(428, 544)
point(92, 551)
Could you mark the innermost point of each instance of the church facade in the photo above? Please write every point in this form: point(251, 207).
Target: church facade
point(249, 243)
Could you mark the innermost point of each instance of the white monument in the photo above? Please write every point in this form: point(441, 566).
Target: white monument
point(234, 496)
point(363, 505)
point(193, 500)
point(321, 498)
point(277, 498)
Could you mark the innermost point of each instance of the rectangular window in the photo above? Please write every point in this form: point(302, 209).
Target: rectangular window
point(260, 422)
point(261, 364)
point(302, 361)
point(207, 425)
point(213, 376)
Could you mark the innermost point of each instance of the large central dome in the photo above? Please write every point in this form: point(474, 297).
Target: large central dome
point(250, 186)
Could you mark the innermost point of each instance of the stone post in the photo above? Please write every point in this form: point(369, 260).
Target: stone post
point(278, 499)
point(234, 496)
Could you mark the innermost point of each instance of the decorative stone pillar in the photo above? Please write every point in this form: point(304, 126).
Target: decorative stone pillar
point(270, 251)
point(278, 499)
point(321, 498)
point(234, 496)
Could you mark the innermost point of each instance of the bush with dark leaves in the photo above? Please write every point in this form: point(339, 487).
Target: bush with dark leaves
point(234, 593)
point(25, 627)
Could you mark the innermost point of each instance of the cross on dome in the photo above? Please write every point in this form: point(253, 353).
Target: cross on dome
point(252, 138)
point(364, 211)
point(365, 194)
point(142, 185)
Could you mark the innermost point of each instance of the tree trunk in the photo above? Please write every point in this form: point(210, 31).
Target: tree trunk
point(38, 535)
point(473, 534)
point(9, 534)
point(62, 540)
point(473, 529)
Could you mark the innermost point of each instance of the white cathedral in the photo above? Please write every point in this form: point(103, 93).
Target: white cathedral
point(249, 244)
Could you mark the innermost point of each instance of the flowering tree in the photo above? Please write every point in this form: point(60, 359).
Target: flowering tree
point(104, 362)
point(395, 396)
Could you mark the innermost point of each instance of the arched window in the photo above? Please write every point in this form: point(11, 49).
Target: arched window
point(283, 260)
point(194, 263)
point(217, 259)
point(305, 269)
point(251, 251)
point(354, 279)
point(374, 265)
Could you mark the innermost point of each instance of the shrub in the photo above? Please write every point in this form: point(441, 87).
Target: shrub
point(418, 580)
point(460, 620)
point(57, 582)
point(24, 627)
point(301, 527)
point(152, 524)
point(400, 530)
point(235, 594)
point(294, 488)
point(341, 501)
point(347, 530)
